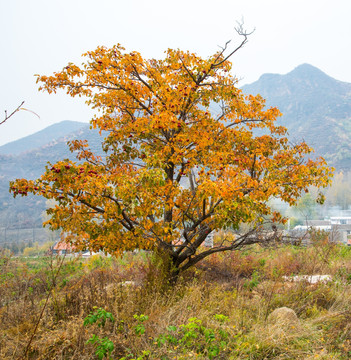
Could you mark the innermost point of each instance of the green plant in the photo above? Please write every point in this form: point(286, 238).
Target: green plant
point(104, 346)
point(100, 316)
point(140, 328)
point(99, 261)
point(262, 262)
point(193, 336)
point(255, 280)
point(344, 251)
point(144, 354)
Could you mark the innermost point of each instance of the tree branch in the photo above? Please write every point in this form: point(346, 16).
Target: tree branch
point(13, 112)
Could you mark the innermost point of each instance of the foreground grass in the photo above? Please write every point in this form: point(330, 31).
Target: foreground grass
point(219, 310)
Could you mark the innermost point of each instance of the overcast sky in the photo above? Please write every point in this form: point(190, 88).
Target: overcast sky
point(42, 36)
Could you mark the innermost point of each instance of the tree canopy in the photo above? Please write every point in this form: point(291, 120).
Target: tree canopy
point(186, 153)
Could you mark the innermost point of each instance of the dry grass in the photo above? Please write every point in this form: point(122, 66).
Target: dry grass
point(245, 287)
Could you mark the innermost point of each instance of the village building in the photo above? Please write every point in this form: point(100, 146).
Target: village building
point(339, 228)
point(63, 248)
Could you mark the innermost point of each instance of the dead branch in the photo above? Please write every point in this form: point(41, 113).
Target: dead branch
point(13, 112)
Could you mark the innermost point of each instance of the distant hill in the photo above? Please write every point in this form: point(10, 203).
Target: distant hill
point(46, 136)
point(315, 107)
point(30, 164)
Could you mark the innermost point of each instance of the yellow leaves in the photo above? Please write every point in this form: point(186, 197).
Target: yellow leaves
point(179, 150)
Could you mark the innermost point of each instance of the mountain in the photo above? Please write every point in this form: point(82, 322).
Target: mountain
point(30, 164)
point(41, 138)
point(315, 107)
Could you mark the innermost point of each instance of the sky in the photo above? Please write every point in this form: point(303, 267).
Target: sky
point(42, 36)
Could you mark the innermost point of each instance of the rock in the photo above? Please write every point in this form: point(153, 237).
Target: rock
point(312, 279)
point(127, 283)
point(283, 316)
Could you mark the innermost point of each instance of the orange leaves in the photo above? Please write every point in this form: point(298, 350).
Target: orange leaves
point(181, 154)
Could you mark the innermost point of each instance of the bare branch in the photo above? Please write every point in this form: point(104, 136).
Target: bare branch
point(242, 32)
point(13, 112)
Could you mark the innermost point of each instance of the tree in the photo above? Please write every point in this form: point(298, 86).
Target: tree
point(339, 194)
point(186, 153)
point(306, 207)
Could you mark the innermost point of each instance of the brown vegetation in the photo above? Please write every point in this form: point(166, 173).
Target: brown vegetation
point(229, 296)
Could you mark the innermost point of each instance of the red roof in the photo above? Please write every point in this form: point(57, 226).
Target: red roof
point(61, 245)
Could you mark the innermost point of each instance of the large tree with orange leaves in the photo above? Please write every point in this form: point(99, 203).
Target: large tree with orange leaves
point(186, 153)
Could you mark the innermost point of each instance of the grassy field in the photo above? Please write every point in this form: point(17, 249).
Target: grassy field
point(222, 309)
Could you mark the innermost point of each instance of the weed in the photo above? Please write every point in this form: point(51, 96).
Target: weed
point(215, 311)
point(104, 346)
point(255, 280)
point(140, 328)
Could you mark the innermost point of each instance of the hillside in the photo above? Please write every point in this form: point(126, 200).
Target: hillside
point(56, 132)
point(24, 212)
point(315, 107)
